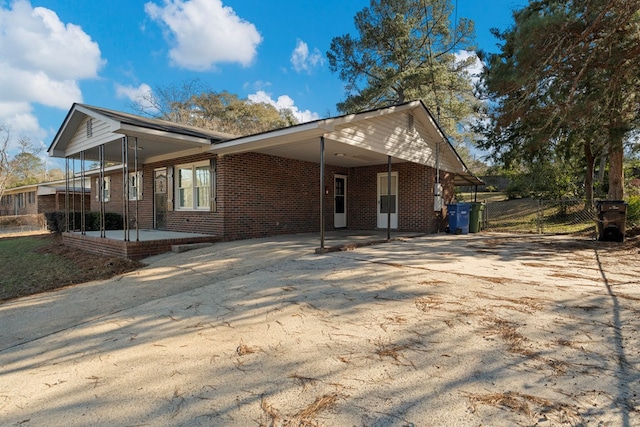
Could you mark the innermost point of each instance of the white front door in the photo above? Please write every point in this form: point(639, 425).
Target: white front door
point(160, 199)
point(387, 202)
point(340, 201)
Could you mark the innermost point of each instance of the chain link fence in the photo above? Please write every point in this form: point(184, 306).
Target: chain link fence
point(540, 216)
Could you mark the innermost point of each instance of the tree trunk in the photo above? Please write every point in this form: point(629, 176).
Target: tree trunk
point(616, 168)
point(603, 166)
point(588, 175)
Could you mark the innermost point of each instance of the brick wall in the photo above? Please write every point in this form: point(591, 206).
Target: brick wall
point(261, 195)
point(57, 202)
point(205, 222)
point(415, 197)
point(13, 208)
point(48, 203)
point(122, 249)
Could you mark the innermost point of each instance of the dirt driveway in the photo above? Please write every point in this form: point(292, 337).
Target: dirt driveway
point(441, 330)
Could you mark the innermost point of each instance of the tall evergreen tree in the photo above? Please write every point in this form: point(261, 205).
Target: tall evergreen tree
point(406, 50)
point(567, 74)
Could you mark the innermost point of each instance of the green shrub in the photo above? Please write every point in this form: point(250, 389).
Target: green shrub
point(56, 221)
point(633, 211)
point(517, 189)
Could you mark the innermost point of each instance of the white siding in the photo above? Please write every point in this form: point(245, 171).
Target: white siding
point(390, 135)
point(101, 134)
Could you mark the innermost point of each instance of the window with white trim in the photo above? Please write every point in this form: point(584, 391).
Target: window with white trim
point(193, 186)
point(32, 197)
point(106, 189)
point(135, 185)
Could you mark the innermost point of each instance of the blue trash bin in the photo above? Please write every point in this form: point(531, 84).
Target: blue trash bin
point(458, 215)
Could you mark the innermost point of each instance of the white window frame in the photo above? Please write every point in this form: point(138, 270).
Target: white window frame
point(106, 190)
point(135, 185)
point(205, 190)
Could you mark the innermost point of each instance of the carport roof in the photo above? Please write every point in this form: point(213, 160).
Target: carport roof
point(362, 139)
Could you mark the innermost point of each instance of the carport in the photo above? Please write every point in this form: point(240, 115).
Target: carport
point(391, 135)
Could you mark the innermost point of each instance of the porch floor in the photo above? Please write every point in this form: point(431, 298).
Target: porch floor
point(147, 235)
point(153, 242)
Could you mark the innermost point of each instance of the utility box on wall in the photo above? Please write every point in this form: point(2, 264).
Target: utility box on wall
point(437, 197)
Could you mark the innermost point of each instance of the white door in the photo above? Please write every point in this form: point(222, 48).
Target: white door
point(387, 202)
point(340, 201)
point(160, 199)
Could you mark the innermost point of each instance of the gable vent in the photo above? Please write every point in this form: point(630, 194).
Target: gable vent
point(410, 123)
point(89, 128)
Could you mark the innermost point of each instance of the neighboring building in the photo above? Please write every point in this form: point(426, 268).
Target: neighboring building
point(43, 197)
point(386, 168)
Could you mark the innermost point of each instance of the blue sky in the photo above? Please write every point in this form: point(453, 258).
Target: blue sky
point(104, 53)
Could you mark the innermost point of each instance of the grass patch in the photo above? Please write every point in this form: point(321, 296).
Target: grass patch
point(33, 264)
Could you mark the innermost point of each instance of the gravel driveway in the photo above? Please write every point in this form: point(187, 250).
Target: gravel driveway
point(441, 330)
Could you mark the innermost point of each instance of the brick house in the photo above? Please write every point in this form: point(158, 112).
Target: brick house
point(390, 168)
point(43, 197)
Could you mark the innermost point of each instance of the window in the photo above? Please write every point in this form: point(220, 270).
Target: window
point(20, 200)
point(32, 197)
point(106, 189)
point(193, 186)
point(135, 186)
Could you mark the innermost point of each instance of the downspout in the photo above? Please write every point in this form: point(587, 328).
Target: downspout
point(103, 233)
point(125, 187)
point(388, 197)
point(321, 194)
point(138, 183)
point(66, 195)
point(73, 193)
point(437, 164)
point(83, 225)
point(437, 193)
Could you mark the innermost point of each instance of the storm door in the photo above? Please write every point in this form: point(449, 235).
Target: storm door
point(340, 201)
point(160, 199)
point(387, 202)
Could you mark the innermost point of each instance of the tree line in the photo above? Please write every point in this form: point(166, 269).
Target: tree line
point(24, 167)
point(556, 106)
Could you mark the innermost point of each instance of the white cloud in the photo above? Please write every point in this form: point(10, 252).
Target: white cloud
point(141, 95)
point(19, 119)
point(41, 61)
point(204, 33)
point(475, 69)
point(284, 101)
point(302, 60)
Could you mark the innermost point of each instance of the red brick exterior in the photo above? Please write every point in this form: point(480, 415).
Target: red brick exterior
point(122, 249)
point(41, 204)
point(415, 197)
point(260, 195)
